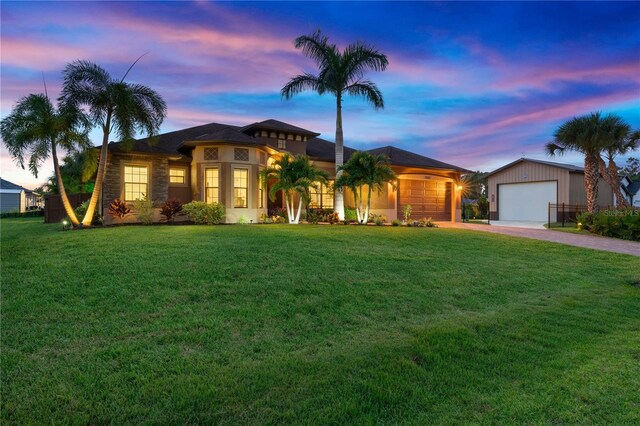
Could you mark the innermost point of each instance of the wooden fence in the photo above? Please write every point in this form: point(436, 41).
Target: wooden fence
point(54, 210)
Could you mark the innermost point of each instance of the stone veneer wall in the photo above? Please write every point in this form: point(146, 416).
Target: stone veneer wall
point(158, 169)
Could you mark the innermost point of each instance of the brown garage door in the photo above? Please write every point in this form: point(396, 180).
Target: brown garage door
point(428, 198)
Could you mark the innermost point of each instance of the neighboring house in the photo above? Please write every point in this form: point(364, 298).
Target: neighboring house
point(220, 163)
point(523, 189)
point(631, 190)
point(14, 198)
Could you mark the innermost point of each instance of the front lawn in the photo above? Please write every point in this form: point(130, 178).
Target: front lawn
point(314, 325)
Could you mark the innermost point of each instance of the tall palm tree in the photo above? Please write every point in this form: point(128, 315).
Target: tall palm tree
point(587, 135)
point(114, 105)
point(365, 170)
point(621, 140)
point(339, 73)
point(294, 175)
point(36, 128)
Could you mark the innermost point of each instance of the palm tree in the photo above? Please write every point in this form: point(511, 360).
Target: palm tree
point(621, 141)
point(36, 128)
point(114, 105)
point(294, 175)
point(364, 169)
point(585, 135)
point(339, 73)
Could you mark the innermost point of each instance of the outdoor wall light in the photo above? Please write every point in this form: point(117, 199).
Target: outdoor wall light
point(65, 223)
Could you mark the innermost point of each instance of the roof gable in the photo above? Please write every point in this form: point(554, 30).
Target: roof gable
point(5, 184)
point(569, 167)
point(401, 157)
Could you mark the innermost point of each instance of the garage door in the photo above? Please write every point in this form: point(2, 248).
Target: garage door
point(427, 198)
point(526, 201)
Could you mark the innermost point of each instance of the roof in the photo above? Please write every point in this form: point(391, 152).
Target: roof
point(12, 187)
point(634, 187)
point(401, 157)
point(569, 167)
point(169, 143)
point(317, 148)
point(279, 126)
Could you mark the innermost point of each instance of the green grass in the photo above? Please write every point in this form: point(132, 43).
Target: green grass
point(570, 228)
point(314, 325)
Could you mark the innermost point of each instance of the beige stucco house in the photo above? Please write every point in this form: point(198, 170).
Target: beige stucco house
point(220, 163)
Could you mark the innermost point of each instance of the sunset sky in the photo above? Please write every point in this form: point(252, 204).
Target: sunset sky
point(474, 84)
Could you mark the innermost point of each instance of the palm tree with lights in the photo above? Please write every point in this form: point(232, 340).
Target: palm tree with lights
point(294, 176)
point(36, 128)
point(340, 73)
point(115, 106)
point(368, 173)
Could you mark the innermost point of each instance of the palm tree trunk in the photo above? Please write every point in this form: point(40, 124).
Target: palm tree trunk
point(102, 168)
point(339, 193)
point(63, 193)
point(299, 211)
point(366, 213)
point(591, 177)
point(610, 175)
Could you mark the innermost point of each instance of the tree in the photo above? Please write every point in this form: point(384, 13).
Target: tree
point(586, 135)
point(364, 172)
point(114, 105)
point(631, 168)
point(294, 175)
point(621, 140)
point(339, 73)
point(36, 128)
point(78, 171)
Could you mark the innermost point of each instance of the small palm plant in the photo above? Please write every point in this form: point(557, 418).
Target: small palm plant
point(36, 128)
point(621, 141)
point(113, 105)
point(294, 175)
point(365, 172)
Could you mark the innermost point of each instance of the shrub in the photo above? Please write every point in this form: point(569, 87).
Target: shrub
point(350, 215)
point(144, 210)
point(623, 223)
point(170, 209)
point(333, 218)
point(204, 213)
point(373, 218)
point(118, 209)
point(81, 210)
point(264, 218)
point(30, 213)
point(243, 220)
point(426, 223)
point(406, 212)
point(379, 221)
point(396, 223)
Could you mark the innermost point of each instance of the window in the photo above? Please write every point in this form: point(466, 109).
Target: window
point(210, 154)
point(261, 194)
point(136, 183)
point(322, 198)
point(241, 154)
point(263, 158)
point(240, 187)
point(282, 144)
point(211, 185)
point(177, 175)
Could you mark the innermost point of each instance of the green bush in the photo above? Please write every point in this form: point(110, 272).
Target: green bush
point(623, 223)
point(379, 221)
point(396, 223)
point(143, 209)
point(204, 213)
point(31, 213)
point(81, 210)
point(350, 215)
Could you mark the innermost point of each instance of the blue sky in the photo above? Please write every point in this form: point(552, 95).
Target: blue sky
point(474, 84)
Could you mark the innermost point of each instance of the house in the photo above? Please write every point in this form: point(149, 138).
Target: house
point(523, 189)
point(631, 189)
point(220, 163)
point(15, 198)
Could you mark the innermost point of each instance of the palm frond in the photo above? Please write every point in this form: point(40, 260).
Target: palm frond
point(368, 91)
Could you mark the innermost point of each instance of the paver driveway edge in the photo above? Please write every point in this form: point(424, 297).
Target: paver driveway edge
point(579, 240)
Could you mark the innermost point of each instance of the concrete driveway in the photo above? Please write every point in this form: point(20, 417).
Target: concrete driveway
point(595, 242)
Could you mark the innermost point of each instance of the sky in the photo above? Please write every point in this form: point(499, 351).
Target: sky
point(476, 84)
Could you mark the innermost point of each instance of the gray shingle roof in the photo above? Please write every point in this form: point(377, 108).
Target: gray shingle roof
point(227, 135)
point(634, 187)
point(401, 157)
point(279, 126)
point(5, 184)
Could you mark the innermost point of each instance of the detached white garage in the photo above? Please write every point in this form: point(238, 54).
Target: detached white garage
point(523, 189)
point(526, 201)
